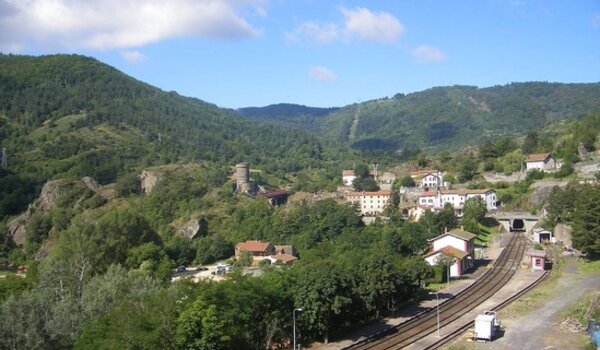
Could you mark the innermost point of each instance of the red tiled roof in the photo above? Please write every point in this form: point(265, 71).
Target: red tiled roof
point(284, 258)
point(252, 246)
point(423, 171)
point(428, 194)
point(378, 193)
point(450, 250)
point(347, 172)
point(536, 157)
point(466, 192)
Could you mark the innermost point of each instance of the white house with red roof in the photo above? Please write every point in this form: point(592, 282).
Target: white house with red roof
point(437, 199)
point(457, 245)
point(540, 161)
point(348, 177)
point(428, 178)
point(370, 203)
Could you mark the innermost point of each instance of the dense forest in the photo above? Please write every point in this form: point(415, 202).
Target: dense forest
point(450, 117)
point(100, 250)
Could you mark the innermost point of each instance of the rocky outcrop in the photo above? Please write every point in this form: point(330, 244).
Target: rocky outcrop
point(45, 202)
point(564, 234)
point(542, 190)
point(148, 180)
point(194, 228)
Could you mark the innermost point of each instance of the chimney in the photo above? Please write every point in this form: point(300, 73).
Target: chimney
point(445, 229)
point(462, 228)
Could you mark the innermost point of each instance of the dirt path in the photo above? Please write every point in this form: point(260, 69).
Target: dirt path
point(537, 328)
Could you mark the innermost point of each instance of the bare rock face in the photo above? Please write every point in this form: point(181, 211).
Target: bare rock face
point(148, 180)
point(45, 202)
point(90, 183)
point(542, 190)
point(16, 227)
point(49, 195)
point(193, 228)
point(563, 233)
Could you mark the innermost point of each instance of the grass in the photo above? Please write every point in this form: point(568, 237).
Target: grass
point(590, 266)
point(485, 234)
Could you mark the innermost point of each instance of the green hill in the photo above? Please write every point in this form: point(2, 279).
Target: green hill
point(69, 116)
point(455, 116)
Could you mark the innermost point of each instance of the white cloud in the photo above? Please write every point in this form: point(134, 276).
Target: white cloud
point(108, 24)
point(321, 73)
point(426, 53)
point(359, 23)
point(372, 26)
point(133, 56)
point(321, 33)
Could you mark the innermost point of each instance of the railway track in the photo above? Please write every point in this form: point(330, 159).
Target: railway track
point(426, 323)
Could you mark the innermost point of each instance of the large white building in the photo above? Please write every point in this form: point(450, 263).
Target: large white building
point(437, 199)
point(370, 203)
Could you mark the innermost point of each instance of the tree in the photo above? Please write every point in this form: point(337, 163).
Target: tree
point(531, 142)
point(200, 328)
point(474, 211)
point(407, 181)
point(324, 294)
point(467, 169)
point(376, 283)
point(446, 217)
point(586, 222)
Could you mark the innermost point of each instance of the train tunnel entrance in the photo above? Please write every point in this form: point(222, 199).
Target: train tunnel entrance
point(517, 225)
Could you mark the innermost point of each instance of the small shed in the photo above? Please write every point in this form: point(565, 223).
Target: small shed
point(537, 259)
point(486, 326)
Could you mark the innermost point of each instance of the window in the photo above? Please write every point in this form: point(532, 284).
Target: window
point(538, 262)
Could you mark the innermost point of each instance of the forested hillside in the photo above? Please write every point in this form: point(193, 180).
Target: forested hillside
point(72, 116)
point(452, 117)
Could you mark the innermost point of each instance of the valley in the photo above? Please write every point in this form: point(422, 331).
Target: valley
point(109, 185)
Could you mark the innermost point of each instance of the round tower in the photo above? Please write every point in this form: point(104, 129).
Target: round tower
point(242, 177)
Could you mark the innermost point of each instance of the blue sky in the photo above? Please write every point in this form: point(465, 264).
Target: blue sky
point(238, 53)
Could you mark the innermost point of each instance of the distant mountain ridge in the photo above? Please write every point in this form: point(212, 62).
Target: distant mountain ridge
point(284, 110)
point(70, 115)
point(451, 117)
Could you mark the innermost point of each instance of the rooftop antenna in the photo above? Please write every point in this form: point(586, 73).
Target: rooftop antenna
point(3, 157)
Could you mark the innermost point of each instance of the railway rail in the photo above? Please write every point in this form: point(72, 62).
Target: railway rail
point(426, 323)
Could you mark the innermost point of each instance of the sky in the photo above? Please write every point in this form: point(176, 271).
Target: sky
point(240, 53)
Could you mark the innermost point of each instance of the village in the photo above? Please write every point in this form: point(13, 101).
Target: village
point(428, 192)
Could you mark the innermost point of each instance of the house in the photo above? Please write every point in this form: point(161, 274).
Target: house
point(428, 178)
point(457, 244)
point(256, 248)
point(537, 259)
point(348, 177)
point(437, 199)
point(284, 259)
point(540, 161)
point(460, 261)
point(369, 203)
point(457, 238)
